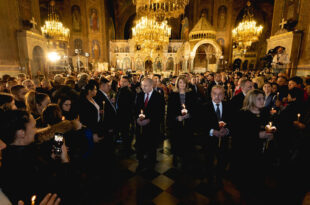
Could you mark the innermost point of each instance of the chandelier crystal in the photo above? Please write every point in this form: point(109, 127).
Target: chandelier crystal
point(246, 32)
point(150, 34)
point(160, 9)
point(53, 28)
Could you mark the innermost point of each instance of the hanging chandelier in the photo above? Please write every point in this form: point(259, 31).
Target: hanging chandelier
point(246, 32)
point(151, 35)
point(53, 28)
point(160, 9)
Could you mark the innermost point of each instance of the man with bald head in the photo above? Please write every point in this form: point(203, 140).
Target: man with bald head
point(151, 105)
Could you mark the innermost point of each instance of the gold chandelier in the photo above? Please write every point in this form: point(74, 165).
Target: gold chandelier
point(150, 34)
point(160, 9)
point(246, 32)
point(53, 28)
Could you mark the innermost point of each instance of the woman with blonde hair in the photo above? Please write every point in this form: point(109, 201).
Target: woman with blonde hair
point(251, 143)
point(180, 111)
point(36, 102)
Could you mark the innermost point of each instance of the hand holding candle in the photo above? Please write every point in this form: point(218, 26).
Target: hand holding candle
point(141, 116)
point(222, 124)
point(184, 110)
point(270, 128)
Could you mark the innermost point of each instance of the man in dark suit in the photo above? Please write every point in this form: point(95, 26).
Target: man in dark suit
point(151, 103)
point(217, 129)
point(156, 83)
point(103, 100)
point(236, 102)
point(124, 107)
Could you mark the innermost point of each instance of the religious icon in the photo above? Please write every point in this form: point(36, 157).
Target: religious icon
point(185, 29)
point(94, 20)
point(222, 16)
point(76, 18)
point(78, 44)
point(95, 49)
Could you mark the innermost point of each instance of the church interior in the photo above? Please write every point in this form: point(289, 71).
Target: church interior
point(43, 39)
point(201, 38)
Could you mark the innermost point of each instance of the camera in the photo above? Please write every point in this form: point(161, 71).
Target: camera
point(57, 144)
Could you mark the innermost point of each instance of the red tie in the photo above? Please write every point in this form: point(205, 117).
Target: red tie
point(146, 100)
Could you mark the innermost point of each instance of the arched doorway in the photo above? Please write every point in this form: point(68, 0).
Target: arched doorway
point(213, 53)
point(170, 65)
point(38, 61)
point(148, 66)
point(205, 58)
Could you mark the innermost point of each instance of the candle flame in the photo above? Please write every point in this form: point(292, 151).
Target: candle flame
point(183, 105)
point(298, 115)
point(33, 198)
point(270, 124)
point(141, 111)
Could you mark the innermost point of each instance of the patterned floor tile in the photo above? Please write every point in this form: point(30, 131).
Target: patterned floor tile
point(172, 173)
point(163, 182)
point(165, 199)
point(147, 192)
point(149, 174)
point(162, 167)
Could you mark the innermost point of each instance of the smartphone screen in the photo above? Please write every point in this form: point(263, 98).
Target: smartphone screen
point(58, 137)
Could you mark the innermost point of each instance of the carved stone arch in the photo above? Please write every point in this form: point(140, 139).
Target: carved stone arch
point(218, 49)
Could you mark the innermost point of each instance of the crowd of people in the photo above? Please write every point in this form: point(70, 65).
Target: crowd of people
point(252, 127)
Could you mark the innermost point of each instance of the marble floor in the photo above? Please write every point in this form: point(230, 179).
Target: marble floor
point(167, 185)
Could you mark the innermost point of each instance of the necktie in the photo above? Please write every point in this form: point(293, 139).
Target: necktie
point(217, 111)
point(146, 100)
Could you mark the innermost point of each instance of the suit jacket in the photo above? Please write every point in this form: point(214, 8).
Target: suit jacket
point(211, 121)
point(154, 111)
point(124, 104)
point(198, 90)
point(109, 118)
point(236, 102)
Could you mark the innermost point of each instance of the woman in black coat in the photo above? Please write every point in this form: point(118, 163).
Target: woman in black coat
point(180, 113)
point(90, 113)
point(250, 161)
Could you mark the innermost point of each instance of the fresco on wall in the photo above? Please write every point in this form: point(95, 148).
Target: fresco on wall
point(170, 64)
point(95, 49)
point(78, 44)
point(185, 29)
point(76, 18)
point(222, 16)
point(94, 20)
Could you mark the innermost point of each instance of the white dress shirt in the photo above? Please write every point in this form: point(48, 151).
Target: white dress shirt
point(221, 112)
point(150, 94)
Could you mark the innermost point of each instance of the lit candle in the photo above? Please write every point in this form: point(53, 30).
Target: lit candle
point(33, 199)
point(141, 116)
point(184, 110)
point(298, 116)
point(278, 95)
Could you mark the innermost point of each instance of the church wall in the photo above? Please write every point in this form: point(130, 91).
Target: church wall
point(9, 24)
point(304, 25)
point(296, 10)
